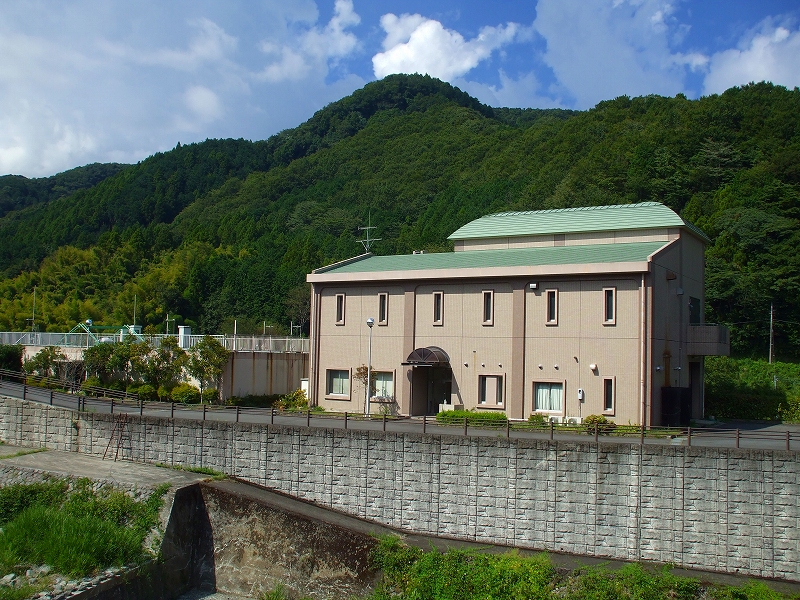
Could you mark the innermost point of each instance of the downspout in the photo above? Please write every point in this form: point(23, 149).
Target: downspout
point(643, 351)
point(314, 348)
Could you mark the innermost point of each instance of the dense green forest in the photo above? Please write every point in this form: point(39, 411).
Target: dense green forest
point(227, 229)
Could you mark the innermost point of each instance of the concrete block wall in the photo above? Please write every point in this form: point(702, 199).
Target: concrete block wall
point(725, 510)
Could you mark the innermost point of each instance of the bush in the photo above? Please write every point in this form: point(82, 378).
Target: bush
point(11, 357)
point(209, 396)
point(455, 417)
point(538, 419)
point(254, 400)
point(604, 426)
point(185, 394)
point(296, 400)
point(146, 392)
point(91, 382)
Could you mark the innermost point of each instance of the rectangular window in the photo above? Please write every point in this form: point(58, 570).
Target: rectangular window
point(490, 390)
point(338, 382)
point(438, 308)
point(548, 397)
point(383, 308)
point(384, 384)
point(551, 297)
point(695, 311)
point(340, 309)
point(608, 394)
point(488, 307)
point(609, 306)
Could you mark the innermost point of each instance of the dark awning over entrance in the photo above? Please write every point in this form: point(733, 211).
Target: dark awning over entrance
point(432, 356)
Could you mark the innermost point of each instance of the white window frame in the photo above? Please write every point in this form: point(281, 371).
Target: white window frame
point(383, 299)
point(391, 384)
point(612, 410)
point(329, 393)
point(547, 319)
point(487, 322)
point(440, 295)
point(340, 308)
point(485, 402)
point(551, 382)
point(613, 319)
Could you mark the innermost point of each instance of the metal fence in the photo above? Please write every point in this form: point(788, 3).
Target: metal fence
point(234, 343)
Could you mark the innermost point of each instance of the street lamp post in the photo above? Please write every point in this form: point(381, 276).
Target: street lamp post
point(370, 323)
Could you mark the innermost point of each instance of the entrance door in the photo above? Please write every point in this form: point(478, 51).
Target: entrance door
point(430, 386)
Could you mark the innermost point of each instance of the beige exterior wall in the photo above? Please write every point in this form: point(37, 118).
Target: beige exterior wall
point(569, 239)
point(639, 352)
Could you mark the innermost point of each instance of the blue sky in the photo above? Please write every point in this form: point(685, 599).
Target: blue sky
point(97, 81)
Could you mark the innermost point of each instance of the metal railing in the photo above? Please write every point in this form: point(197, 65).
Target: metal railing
point(582, 433)
point(234, 343)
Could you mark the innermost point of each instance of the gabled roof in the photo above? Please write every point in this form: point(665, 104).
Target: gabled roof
point(631, 257)
point(619, 217)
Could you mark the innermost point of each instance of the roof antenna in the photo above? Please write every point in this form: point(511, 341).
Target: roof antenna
point(367, 242)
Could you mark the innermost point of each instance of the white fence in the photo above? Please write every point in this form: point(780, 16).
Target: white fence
point(234, 343)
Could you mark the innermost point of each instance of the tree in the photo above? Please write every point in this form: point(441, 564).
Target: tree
point(207, 361)
point(162, 366)
point(45, 362)
point(11, 357)
point(97, 359)
point(298, 305)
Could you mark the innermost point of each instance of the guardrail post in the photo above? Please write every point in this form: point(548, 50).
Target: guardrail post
point(424, 423)
point(738, 433)
point(24, 391)
point(689, 436)
point(237, 413)
point(272, 415)
point(112, 406)
point(384, 422)
point(788, 441)
point(172, 410)
point(641, 436)
point(345, 419)
point(51, 397)
point(552, 429)
point(465, 425)
point(508, 429)
point(141, 407)
point(308, 418)
point(596, 430)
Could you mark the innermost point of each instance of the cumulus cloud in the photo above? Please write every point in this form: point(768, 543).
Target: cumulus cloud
point(770, 53)
point(598, 49)
point(415, 44)
point(204, 103)
point(313, 48)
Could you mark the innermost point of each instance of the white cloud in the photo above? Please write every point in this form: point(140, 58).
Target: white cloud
point(415, 44)
point(204, 103)
point(525, 91)
point(313, 48)
point(770, 53)
point(599, 50)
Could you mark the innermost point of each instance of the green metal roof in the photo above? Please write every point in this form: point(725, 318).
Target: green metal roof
point(645, 215)
point(515, 257)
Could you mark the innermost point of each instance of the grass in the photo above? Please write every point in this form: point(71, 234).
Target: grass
point(23, 453)
point(456, 417)
point(213, 473)
point(409, 573)
point(76, 530)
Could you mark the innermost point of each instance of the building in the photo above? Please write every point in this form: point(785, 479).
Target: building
point(570, 312)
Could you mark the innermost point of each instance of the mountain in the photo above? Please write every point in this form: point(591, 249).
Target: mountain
point(227, 229)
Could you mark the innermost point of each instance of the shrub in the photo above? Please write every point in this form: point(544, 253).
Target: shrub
point(296, 400)
point(455, 417)
point(185, 394)
point(91, 382)
point(538, 419)
point(147, 393)
point(254, 400)
point(209, 396)
point(11, 357)
point(604, 426)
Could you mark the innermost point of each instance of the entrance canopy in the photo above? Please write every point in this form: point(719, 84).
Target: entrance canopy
point(432, 356)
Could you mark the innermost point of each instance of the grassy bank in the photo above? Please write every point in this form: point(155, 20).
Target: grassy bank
point(72, 528)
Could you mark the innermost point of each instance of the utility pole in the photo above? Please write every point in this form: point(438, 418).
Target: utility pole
point(771, 331)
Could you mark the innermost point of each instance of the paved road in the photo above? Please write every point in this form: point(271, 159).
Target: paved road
point(763, 436)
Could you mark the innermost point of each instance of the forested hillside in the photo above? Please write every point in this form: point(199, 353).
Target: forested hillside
point(227, 229)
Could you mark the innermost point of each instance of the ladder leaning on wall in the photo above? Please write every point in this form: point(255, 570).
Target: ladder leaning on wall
point(119, 435)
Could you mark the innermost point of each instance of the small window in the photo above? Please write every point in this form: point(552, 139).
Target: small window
point(551, 297)
point(438, 308)
point(490, 390)
point(488, 307)
point(548, 397)
point(608, 394)
point(609, 306)
point(384, 384)
point(338, 382)
point(340, 309)
point(383, 308)
point(695, 311)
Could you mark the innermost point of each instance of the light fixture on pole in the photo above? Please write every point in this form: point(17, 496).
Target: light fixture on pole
point(370, 323)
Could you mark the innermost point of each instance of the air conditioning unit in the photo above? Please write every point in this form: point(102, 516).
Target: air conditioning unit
point(573, 420)
point(554, 420)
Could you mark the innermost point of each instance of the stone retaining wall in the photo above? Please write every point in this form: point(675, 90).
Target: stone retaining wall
point(726, 510)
